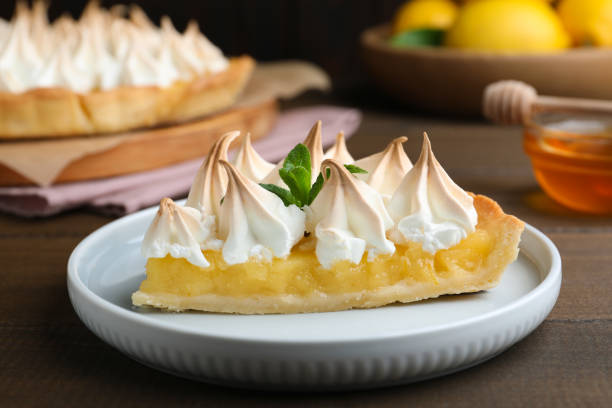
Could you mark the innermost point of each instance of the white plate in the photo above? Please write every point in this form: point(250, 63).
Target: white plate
point(339, 350)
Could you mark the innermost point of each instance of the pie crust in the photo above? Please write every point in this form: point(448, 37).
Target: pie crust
point(57, 112)
point(504, 229)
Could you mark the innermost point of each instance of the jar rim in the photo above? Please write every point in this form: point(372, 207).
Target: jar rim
point(543, 127)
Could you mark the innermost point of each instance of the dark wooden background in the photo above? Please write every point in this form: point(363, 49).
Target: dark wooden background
point(322, 31)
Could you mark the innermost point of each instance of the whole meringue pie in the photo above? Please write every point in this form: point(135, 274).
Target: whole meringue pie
point(322, 232)
point(110, 70)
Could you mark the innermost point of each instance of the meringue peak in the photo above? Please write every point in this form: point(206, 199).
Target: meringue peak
point(348, 217)
point(176, 231)
point(386, 169)
point(139, 17)
point(249, 162)
point(339, 151)
point(96, 47)
point(254, 222)
point(210, 182)
point(448, 197)
point(428, 207)
point(166, 204)
point(314, 143)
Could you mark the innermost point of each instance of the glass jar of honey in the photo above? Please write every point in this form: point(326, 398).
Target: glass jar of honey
point(571, 156)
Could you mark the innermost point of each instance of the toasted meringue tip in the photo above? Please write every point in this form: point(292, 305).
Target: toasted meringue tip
point(226, 140)
point(316, 128)
point(425, 151)
point(427, 143)
point(93, 5)
point(21, 8)
point(166, 204)
point(340, 137)
point(314, 142)
point(233, 174)
point(220, 147)
point(64, 18)
point(40, 6)
point(314, 132)
point(232, 171)
point(192, 26)
point(232, 134)
point(135, 9)
point(333, 164)
point(396, 143)
point(330, 162)
point(118, 11)
point(138, 15)
point(91, 8)
point(166, 24)
point(431, 157)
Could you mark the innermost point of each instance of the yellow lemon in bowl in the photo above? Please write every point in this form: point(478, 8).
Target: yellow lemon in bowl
point(467, 1)
point(416, 14)
point(588, 21)
point(508, 26)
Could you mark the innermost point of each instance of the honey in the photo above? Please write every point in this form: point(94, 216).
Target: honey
point(572, 159)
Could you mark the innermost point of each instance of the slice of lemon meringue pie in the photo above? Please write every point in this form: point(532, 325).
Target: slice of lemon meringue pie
point(109, 71)
point(352, 235)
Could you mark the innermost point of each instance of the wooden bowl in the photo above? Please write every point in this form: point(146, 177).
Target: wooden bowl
point(449, 80)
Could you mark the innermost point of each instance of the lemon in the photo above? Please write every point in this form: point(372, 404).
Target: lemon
point(508, 26)
point(467, 1)
point(424, 14)
point(588, 21)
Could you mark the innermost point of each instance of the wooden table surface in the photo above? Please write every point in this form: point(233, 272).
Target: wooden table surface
point(49, 358)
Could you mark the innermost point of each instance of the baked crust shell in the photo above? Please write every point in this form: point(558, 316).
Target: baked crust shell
point(58, 112)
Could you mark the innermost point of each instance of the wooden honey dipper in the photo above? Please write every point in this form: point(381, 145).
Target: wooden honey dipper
point(514, 102)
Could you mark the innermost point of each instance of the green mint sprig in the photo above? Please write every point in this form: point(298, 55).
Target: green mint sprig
point(296, 173)
point(355, 169)
point(420, 37)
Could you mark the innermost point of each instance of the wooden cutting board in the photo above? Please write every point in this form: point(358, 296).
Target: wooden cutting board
point(149, 149)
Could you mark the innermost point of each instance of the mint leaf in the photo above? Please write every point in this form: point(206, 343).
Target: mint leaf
point(299, 156)
point(316, 187)
point(355, 169)
point(420, 37)
point(298, 181)
point(282, 193)
point(296, 173)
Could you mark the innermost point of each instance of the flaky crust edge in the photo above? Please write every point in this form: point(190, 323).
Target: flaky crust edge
point(58, 112)
point(505, 228)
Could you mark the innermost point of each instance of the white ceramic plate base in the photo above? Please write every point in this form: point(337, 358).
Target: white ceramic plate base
point(317, 351)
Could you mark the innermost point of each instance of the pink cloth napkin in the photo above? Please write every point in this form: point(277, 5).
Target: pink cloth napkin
point(126, 194)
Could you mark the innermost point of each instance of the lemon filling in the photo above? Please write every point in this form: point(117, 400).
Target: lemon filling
point(301, 274)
